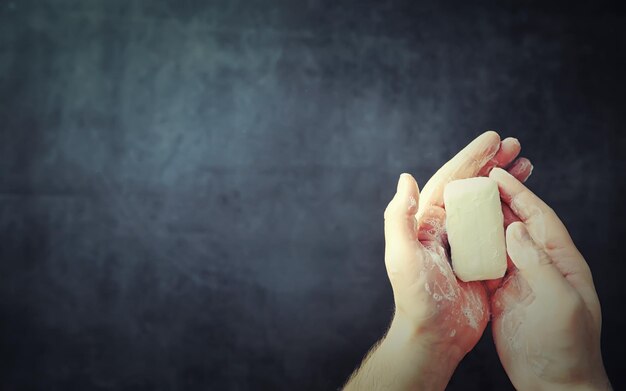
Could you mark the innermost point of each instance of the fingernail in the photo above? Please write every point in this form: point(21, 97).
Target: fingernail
point(514, 140)
point(527, 165)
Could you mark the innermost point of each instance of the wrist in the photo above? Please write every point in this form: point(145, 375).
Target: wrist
point(403, 331)
point(434, 362)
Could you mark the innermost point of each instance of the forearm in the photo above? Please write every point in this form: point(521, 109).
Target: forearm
point(404, 360)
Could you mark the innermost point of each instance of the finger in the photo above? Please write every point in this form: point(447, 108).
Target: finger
point(543, 224)
point(509, 149)
point(509, 218)
point(528, 257)
point(509, 215)
point(533, 275)
point(521, 169)
point(431, 230)
point(401, 243)
point(535, 266)
point(465, 164)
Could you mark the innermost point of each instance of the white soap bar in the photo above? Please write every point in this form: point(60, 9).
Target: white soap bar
point(474, 223)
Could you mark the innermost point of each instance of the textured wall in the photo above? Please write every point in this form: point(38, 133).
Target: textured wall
point(191, 192)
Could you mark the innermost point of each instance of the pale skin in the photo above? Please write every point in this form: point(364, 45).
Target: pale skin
point(546, 314)
point(438, 319)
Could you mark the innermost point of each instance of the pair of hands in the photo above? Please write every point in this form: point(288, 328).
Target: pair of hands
point(545, 312)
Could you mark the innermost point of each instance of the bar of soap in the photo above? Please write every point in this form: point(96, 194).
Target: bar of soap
point(475, 227)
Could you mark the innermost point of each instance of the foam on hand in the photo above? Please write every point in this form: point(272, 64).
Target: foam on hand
point(475, 227)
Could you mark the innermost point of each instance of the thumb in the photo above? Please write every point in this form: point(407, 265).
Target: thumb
point(400, 225)
point(535, 266)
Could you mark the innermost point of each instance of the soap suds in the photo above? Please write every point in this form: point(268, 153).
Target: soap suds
point(437, 258)
point(473, 309)
point(510, 328)
point(471, 319)
point(412, 202)
point(437, 227)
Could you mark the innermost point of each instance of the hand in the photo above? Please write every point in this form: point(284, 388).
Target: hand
point(546, 314)
point(429, 298)
point(438, 319)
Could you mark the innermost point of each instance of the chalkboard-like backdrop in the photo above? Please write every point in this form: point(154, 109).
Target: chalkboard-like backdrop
point(191, 192)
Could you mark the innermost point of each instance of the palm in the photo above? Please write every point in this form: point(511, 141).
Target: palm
point(534, 346)
point(426, 291)
point(460, 309)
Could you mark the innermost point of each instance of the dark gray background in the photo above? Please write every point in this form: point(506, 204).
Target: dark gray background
point(191, 192)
